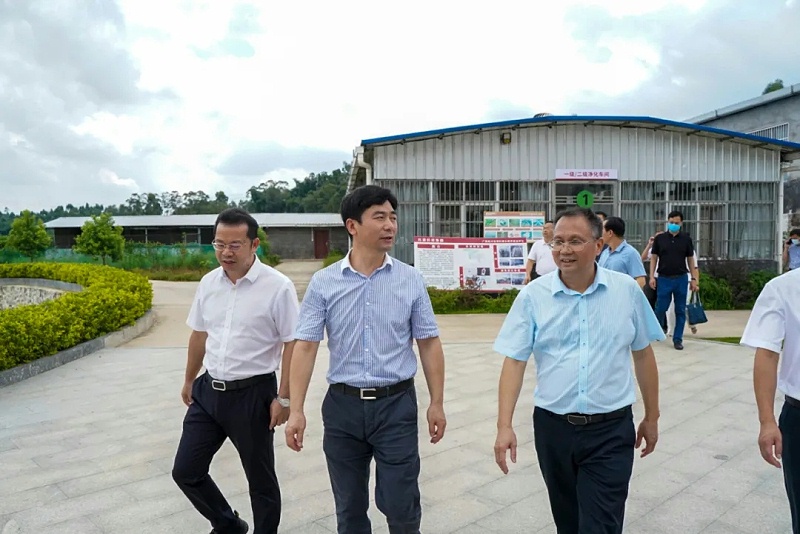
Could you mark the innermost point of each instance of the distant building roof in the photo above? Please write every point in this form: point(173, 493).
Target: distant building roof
point(268, 220)
point(758, 101)
point(650, 123)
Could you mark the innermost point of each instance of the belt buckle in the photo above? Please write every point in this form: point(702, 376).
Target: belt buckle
point(361, 393)
point(577, 419)
point(218, 385)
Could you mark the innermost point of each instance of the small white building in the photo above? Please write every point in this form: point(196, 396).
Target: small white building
point(640, 168)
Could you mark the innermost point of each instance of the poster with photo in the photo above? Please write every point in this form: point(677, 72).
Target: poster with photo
point(485, 264)
point(527, 225)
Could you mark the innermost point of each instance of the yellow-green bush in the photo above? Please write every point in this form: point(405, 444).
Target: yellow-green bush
point(111, 299)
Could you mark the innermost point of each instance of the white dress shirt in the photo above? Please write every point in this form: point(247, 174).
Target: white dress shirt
point(775, 320)
point(247, 322)
point(542, 255)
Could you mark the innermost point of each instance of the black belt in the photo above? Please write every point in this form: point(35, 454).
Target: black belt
point(373, 393)
point(580, 419)
point(231, 385)
point(791, 401)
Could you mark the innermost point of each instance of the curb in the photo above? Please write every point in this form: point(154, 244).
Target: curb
point(114, 339)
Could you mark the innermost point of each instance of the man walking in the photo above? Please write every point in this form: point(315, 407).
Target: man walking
point(583, 422)
point(372, 307)
point(774, 327)
point(243, 319)
point(673, 252)
point(540, 258)
point(619, 255)
point(791, 250)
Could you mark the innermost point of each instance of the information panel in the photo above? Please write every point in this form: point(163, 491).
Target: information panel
point(504, 224)
point(471, 262)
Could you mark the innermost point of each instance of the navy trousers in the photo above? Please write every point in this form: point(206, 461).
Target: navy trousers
point(667, 289)
point(243, 416)
point(356, 431)
point(789, 423)
point(587, 470)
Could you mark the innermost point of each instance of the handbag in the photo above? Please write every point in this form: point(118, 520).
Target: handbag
point(694, 310)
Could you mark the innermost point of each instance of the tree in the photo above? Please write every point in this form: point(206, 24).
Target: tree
point(773, 86)
point(100, 238)
point(28, 235)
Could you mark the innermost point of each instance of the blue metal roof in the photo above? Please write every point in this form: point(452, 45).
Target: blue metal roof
point(641, 122)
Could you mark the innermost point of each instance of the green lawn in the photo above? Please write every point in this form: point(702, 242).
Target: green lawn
point(734, 340)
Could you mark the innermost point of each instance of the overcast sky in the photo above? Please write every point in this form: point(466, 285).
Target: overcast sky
point(102, 99)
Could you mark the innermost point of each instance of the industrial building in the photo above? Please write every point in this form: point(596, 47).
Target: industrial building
point(726, 183)
point(291, 235)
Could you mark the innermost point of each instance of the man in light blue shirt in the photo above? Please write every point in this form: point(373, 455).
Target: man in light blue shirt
point(791, 250)
point(373, 307)
point(581, 323)
point(619, 255)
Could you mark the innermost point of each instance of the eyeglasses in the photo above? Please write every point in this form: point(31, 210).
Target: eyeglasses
point(575, 245)
point(234, 247)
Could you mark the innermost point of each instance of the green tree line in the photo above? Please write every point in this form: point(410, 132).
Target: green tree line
point(316, 193)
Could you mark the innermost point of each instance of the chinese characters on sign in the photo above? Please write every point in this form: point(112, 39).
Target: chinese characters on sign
point(504, 224)
point(586, 174)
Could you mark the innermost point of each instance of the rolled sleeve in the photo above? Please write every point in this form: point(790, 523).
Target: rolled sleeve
point(766, 327)
point(311, 320)
point(423, 320)
point(195, 319)
point(635, 265)
point(516, 336)
point(285, 312)
point(647, 327)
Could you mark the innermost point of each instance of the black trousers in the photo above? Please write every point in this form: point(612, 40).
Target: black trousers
point(586, 469)
point(789, 423)
point(356, 431)
point(243, 416)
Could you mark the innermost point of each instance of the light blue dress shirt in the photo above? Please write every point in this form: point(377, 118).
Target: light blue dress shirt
point(624, 259)
point(371, 322)
point(794, 257)
point(581, 343)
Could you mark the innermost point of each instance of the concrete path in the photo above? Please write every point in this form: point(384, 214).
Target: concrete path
point(88, 447)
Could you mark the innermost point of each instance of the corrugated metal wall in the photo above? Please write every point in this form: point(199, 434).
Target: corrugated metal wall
point(638, 154)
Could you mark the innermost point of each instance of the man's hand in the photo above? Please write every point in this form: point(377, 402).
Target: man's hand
point(506, 439)
point(648, 431)
point(770, 441)
point(653, 283)
point(693, 285)
point(295, 428)
point(436, 422)
point(186, 392)
point(527, 279)
point(277, 414)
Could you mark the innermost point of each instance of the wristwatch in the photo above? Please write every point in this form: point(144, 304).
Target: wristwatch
point(283, 402)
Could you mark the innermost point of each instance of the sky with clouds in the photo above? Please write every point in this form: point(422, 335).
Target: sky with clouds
point(103, 99)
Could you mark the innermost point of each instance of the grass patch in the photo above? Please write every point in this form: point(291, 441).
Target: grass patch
point(172, 275)
point(733, 340)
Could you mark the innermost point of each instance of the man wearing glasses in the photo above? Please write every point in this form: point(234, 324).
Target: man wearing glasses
point(583, 422)
point(243, 319)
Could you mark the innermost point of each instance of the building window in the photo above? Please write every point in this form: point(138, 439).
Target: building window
point(779, 132)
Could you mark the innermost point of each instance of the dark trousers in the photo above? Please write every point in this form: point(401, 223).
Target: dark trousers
point(243, 416)
point(789, 423)
point(356, 431)
point(586, 469)
point(667, 289)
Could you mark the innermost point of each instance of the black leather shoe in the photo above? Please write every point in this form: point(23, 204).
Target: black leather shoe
point(241, 527)
point(678, 345)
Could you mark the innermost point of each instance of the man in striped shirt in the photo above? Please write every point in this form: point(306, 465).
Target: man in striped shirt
point(372, 307)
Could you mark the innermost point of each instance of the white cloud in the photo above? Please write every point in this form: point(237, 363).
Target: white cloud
point(110, 177)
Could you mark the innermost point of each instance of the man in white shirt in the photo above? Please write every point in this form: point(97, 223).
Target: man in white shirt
point(540, 257)
point(774, 325)
point(243, 320)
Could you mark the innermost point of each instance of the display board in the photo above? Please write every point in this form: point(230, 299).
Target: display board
point(508, 224)
point(471, 262)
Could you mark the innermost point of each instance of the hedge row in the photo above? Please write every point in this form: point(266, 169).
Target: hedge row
point(111, 299)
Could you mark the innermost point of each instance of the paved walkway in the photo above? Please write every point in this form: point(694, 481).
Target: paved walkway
point(87, 448)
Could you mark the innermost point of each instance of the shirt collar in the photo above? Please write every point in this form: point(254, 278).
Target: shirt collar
point(252, 272)
point(622, 245)
point(387, 260)
point(600, 279)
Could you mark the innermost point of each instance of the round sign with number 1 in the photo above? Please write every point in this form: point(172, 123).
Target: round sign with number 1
point(585, 199)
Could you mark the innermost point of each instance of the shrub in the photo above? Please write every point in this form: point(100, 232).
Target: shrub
point(446, 301)
point(111, 298)
point(332, 257)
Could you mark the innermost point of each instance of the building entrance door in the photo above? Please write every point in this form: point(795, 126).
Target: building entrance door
point(322, 237)
point(605, 195)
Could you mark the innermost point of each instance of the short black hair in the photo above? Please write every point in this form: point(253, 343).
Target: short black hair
point(795, 231)
point(594, 221)
point(549, 221)
point(359, 200)
point(235, 217)
point(675, 213)
point(604, 214)
point(615, 225)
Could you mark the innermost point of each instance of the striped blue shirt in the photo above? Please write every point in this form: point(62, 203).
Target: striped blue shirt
point(371, 321)
point(624, 259)
point(581, 342)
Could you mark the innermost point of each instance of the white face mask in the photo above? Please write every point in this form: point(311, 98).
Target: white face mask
point(795, 241)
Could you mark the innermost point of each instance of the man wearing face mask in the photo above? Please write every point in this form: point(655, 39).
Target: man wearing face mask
point(791, 250)
point(673, 253)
